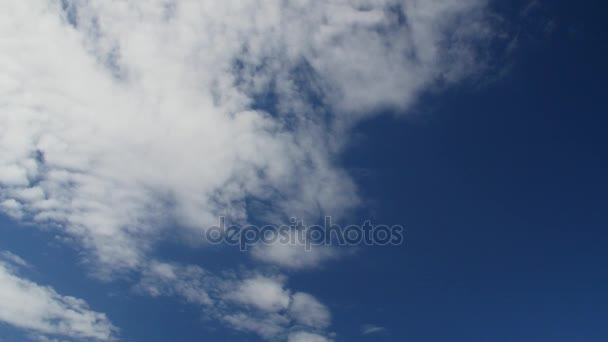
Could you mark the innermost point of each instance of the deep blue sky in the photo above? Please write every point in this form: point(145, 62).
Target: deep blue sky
point(501, 184)
point(504, 193)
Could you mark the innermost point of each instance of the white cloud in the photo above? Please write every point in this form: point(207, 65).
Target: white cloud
point(307, 337)
point(271, 310)
point(264, 293)
point(12, 208)
point(43, 338)
point(308, 311)
point(269, 326)
point(119, 117)
point(255, 303)
point(40, 309)
point(13, 259)
point(372, 329)
point(188, 282)
point(294, 255)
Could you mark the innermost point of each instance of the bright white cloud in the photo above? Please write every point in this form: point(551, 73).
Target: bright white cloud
point(264, 293)
point(40, 309)
point(117, 117)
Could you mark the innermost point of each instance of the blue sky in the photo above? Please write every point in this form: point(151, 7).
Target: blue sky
point(488, 146)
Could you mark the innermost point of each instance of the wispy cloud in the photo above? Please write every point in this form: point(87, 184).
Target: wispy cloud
point(249, 302)
point(13, 259)
point(368, 329)
point(42, 311)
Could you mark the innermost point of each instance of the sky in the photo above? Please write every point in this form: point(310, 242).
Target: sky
point(128, 128)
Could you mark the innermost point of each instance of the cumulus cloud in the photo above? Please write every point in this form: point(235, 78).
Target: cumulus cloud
point(123, 121)
point(264, 293)
point(188, 282)
point(119, 116)
point(42, 311)
point(249, 302)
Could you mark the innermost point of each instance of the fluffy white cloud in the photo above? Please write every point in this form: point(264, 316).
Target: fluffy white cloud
point(308, 311)
point(119, 117)
point(40, 309)
point(254, 303)
point(276, 311)
point(264, 293)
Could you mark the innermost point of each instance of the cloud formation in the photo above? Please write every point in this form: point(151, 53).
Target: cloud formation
point(249, 302)
point(41, 310)
point(118, 117)
point(123, 121)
